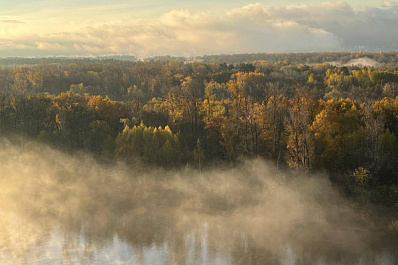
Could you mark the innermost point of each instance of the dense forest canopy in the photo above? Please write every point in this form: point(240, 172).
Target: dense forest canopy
point(300, 111)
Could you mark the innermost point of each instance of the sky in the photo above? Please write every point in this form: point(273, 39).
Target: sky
point(147, 28)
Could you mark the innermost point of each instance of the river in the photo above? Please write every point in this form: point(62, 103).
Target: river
point(63, 209)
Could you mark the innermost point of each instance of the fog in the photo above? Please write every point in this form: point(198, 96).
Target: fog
point(59, 208)
point(363, 62)
point(360, 62)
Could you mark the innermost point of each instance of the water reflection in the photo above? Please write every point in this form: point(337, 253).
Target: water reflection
point(152, 239)
point(199, 245)
point(59, 210)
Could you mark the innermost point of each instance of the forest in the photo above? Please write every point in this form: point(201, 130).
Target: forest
point(299, 111)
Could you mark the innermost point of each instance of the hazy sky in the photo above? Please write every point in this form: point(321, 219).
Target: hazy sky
point(176, 27)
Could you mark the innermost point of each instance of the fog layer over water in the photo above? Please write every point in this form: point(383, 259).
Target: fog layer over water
point(62, 209)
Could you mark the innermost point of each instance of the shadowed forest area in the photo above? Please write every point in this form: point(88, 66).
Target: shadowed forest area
point(308, 113)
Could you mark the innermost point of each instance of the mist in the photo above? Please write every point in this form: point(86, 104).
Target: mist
point(363, 62)
point(60, 208)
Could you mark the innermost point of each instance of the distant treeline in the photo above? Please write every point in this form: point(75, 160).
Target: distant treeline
point(14, 61)
point(387, 59)
point(308, 118)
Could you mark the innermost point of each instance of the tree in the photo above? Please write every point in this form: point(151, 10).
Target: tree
point(198, 154)
point(149, 145)
point(192, 92)
point(276, 113)
point(300, 145)
point(339, 136)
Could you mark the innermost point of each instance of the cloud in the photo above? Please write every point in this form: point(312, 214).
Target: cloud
point(330, 26)
point(12, 21)
point(390, 3)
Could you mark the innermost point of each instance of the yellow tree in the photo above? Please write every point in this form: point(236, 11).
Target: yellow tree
point(339, 136)
point(276, 113)
point(300, 146)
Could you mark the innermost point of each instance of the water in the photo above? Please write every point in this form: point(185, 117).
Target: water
point(174, 237)
point(59, 209)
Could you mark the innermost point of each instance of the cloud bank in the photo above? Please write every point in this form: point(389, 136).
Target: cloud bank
point(330, 26)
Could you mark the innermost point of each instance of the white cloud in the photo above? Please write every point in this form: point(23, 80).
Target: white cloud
point(387, 3)
point(330, 26)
